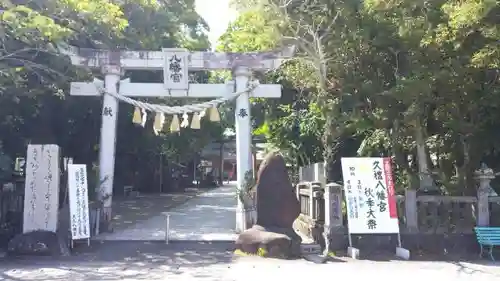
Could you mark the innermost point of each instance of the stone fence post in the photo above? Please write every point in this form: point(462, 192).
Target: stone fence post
point(319, 173)
point(483, 210)
point(334, 230)
point(299, 186)
point(313, 188)
point(306, 173)
point(411, 211)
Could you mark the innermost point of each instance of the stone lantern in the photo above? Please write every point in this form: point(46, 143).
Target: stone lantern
point(484, 176)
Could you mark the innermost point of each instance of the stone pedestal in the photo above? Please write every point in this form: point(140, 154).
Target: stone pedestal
point(334, 230)
point(38, 243)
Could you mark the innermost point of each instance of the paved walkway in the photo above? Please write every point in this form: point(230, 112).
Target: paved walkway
point(190, 261)
point(130, 211)
point(210, 216)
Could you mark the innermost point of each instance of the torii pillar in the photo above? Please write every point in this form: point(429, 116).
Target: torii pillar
point(114, 63)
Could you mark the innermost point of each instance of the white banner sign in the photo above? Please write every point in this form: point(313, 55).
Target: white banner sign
point(78, 201)
point(370, 196)
point(41, 200)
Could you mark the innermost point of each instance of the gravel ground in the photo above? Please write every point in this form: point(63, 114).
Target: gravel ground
point(214, 261)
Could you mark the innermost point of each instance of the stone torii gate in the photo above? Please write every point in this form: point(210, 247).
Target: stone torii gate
point(175, 64)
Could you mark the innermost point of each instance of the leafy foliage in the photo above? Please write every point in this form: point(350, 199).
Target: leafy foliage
point(417, 81)
point(290, 123)
point(34, 78)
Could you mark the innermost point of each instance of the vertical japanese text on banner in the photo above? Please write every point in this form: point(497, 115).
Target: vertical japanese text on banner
point(371, 204)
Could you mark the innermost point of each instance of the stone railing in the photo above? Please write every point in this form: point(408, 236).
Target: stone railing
point(451, 214)
point(312, 201)
point(11, 210)
point(324, 217)
point(433, 214)
point(424, 213)
point(313, 173)
point(316, 213)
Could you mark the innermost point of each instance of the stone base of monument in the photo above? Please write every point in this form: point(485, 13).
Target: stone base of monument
point(38, 243)
point(277, 207)
point(270, 242)
point(313, 253)
point(402, 253)
point(353, 253)
point(306, 249)
point(316, 258)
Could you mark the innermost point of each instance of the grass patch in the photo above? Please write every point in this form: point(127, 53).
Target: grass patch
point(261, 252)
point(240, 253)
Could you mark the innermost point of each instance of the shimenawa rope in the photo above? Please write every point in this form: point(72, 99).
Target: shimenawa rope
point(190, 108)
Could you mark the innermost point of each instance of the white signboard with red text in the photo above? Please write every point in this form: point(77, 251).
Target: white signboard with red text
point(370, 197)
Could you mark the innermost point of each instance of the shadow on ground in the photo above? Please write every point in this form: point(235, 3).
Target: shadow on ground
point(134, 261)
point(421, 256)
point(130, 211)
point(209, 216)
point(125, 261)
point(212, 218)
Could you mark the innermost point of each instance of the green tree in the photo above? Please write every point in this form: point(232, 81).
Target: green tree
point(416, 81)
point(290, 123)
point(35, 76)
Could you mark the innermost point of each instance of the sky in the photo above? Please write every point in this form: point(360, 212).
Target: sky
point(217, 14)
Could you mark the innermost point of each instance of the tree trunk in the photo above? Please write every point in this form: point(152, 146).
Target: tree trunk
point(221, 163)
point(426, 183)
point(400, 157)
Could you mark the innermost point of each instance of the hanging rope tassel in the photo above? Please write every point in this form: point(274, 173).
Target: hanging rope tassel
point(200, 108)
point(203, 113)
point(174, 126)
point(214, 114)
point(195, 123)
point(136, 117)
point(185, 120)
point(159, 122)
point(144, 117)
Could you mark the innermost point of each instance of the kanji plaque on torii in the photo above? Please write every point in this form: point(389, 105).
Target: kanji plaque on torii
point(175, 64)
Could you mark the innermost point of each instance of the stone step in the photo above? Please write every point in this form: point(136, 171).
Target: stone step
point(306, 249)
